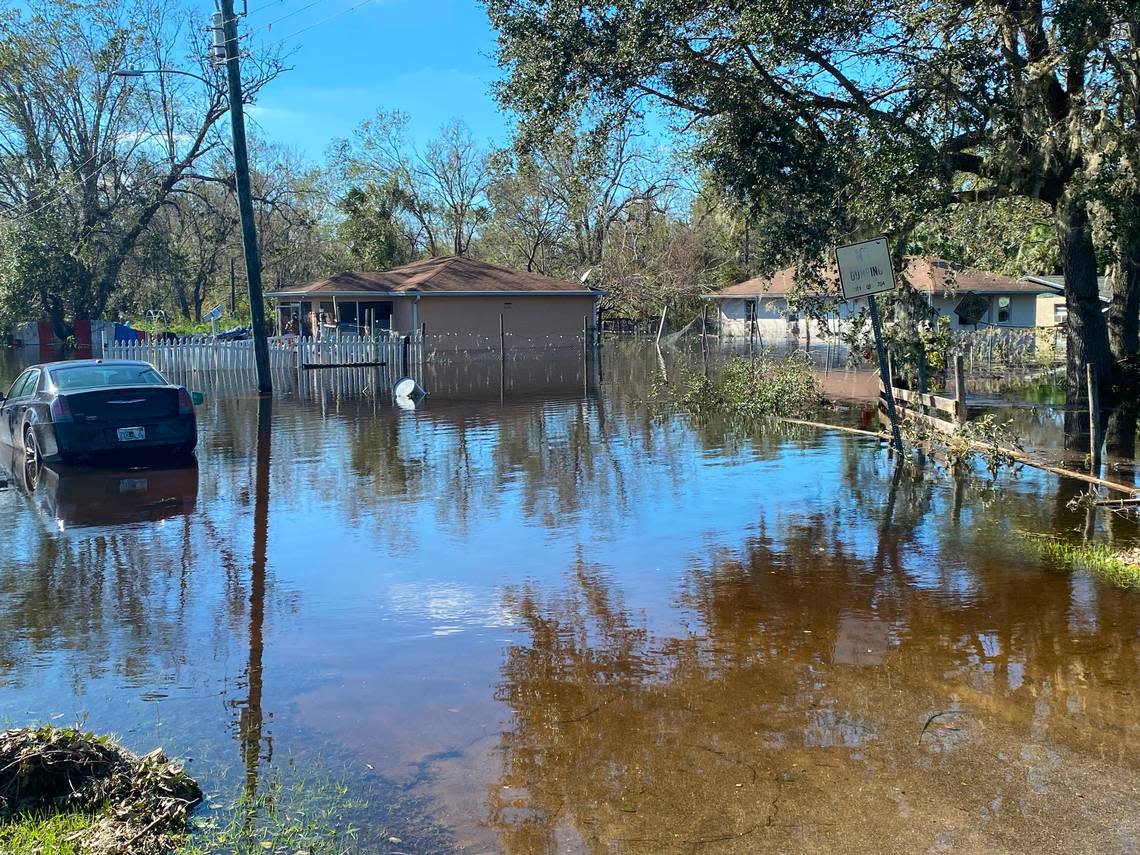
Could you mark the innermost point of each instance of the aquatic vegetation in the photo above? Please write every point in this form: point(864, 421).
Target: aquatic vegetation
point(131, 803)
point(299, 816)
point(1116, 566)
point(750, 388)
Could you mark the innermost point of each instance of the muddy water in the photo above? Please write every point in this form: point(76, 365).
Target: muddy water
point(536, 615)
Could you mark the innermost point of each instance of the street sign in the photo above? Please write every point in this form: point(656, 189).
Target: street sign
point(215, 314)
point(865, 268)
point(864, 271)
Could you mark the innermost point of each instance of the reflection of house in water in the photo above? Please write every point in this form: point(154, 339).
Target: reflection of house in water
point(860, 640)
point(542, 375)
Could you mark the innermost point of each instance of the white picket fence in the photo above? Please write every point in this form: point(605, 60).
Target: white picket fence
point(286, 353)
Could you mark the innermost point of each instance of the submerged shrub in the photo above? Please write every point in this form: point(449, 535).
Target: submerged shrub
point(749, 388)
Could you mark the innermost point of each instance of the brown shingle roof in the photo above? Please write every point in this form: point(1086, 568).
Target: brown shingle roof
point(452, 274)
point(928, 275)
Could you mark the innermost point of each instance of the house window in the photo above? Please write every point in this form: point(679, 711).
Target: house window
point(1003, 310)
point(1060, 313)
point(749, 312)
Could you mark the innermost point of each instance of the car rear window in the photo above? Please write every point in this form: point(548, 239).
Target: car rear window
point(105, 376)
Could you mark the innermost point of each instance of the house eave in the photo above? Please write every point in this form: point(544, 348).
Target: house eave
point(393, 295)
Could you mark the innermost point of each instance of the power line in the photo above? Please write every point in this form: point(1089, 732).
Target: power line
point(297, 11)
point(268, 26)
point(329, 18)
point(51, 191)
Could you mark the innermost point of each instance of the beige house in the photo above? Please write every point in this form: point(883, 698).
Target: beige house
point(456, 302)
point(1051, 308)
point(1008, 302)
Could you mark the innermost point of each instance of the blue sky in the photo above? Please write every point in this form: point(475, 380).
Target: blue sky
point(433, 59)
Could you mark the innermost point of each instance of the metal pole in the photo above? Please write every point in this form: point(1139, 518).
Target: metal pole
point(885, 374)
point(233, 287)
point(245, 200)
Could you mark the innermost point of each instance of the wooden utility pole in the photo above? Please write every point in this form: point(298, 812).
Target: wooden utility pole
point(245, 199)
point(1094, 418)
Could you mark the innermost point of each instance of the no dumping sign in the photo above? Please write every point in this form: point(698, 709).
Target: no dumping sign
point(865, 268)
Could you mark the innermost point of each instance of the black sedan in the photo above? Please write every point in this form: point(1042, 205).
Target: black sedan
point(69, 410)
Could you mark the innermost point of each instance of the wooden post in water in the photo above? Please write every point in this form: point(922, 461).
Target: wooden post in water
point(704, 336)
point(959, 389)
point(752, 331)
point(885, 373)
point(922, 390)
point(1094, 419)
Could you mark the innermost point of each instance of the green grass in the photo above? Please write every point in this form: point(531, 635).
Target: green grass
point(1117, 567)
point(39, 834)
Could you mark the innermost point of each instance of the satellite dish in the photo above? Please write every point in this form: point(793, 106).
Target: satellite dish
point(972, 308)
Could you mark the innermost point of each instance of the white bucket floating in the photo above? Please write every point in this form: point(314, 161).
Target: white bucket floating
point(406, 392)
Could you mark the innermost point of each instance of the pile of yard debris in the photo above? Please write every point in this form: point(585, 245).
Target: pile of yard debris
point(140, 804)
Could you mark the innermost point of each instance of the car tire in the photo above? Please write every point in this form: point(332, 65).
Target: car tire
point(32, 453)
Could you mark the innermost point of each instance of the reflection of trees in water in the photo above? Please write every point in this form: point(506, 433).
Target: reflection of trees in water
point(104, 600)
point(792, 711)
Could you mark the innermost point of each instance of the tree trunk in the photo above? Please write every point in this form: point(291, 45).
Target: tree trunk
point(1120, 436)
point(1124, 311)
point(1087, 342)
point(183, 303)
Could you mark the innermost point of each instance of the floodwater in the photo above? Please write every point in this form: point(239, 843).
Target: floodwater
point(539, 615)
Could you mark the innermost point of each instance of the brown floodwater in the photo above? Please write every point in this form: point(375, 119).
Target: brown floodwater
point(538, 614)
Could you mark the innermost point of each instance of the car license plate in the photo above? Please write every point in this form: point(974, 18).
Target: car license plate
point(132, 485)
point(131, 434)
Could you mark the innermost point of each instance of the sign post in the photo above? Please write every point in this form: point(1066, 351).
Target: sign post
point(864, 271)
